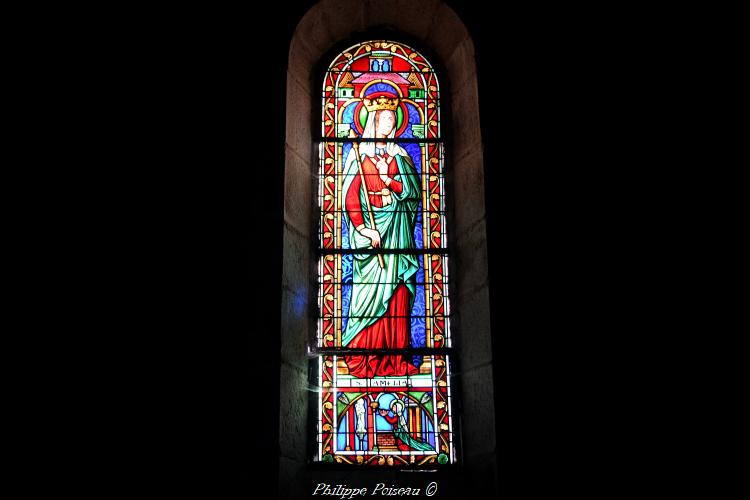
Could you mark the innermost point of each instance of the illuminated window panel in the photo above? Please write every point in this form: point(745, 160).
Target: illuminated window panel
point(341, 212)
point(381, 69)
point(429, 315)
point(383, 263)
point(394, 420)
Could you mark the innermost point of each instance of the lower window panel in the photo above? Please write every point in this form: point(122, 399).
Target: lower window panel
point(395, 410)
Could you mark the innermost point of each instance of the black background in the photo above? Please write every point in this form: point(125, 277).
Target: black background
point(198, 164)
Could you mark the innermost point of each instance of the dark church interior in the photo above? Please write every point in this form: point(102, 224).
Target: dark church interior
point(209, 88)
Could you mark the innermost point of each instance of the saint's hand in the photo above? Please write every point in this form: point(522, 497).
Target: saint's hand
point(383, 413)
point(373, 235)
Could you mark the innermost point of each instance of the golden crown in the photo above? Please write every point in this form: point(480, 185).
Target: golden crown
point(381, 102)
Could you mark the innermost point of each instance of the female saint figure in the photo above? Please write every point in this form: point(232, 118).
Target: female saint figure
point(382, 293)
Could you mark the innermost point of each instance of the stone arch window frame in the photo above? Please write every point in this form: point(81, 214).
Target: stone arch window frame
point(437, 26)
point(317, 78)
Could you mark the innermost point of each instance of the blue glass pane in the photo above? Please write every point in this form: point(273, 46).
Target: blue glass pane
point(415, 152)
point(346, 288)
point(414, 119)
point(347, 147)
point(348, 116)
point(341, 438)
point(428, 434)
point(345, 232)
point(381, 87)
point(418, 335)
point(418, 228)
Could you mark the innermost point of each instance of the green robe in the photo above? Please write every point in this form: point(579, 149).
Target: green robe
point(374, 286)
point(404, 436)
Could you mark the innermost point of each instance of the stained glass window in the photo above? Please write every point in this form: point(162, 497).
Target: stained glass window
point(383, 332)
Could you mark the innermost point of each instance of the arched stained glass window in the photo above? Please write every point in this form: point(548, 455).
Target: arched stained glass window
point(383, 332)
